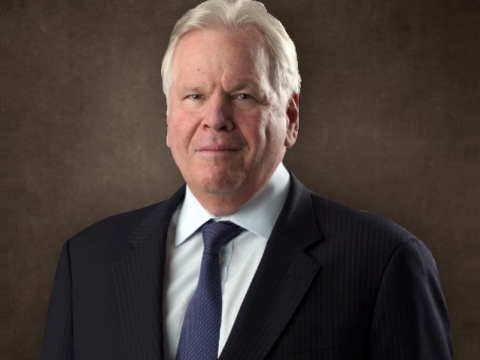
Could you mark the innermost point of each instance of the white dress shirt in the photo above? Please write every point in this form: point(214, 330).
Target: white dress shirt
point(239, 259)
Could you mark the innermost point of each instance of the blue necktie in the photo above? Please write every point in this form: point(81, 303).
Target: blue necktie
point(201, 326)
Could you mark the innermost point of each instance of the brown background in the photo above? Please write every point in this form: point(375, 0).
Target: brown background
point(390, 123)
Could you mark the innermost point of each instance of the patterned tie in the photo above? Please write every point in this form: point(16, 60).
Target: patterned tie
point(201, 326)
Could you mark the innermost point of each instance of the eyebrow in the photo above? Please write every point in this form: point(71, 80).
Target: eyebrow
point(242, 86)
point(250, 86)
point(192, 89)
point(201, 88)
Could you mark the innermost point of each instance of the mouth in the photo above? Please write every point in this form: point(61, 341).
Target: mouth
point(217, 152)
point(217, 149)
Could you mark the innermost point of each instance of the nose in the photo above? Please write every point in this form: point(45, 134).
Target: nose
point(219, 114)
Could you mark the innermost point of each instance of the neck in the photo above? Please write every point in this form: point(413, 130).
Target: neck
point(224, 203)
point(219, 204)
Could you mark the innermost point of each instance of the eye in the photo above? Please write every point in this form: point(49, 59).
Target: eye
point(244, 96)
point(194, 97)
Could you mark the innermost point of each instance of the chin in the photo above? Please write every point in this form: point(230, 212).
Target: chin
point(219, 182)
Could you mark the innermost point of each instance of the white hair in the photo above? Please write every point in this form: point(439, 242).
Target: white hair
point(238, 14)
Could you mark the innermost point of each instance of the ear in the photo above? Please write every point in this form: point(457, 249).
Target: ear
point(292, 120)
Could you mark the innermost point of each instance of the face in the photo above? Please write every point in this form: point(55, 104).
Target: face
point(226, 127)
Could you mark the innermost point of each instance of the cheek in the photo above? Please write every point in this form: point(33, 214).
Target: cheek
point(256, 128)
point(254, 136)
point(172, 137)
point(274, 129)
point(179, 132)
point(169, 136)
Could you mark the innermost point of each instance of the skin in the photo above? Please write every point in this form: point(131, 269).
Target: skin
point(227, 129)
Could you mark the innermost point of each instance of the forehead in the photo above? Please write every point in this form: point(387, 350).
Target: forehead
point(228, 53)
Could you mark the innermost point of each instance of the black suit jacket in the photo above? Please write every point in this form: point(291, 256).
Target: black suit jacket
point(333, 283)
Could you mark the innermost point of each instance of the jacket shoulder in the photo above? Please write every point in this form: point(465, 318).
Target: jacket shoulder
point(118, 223)
point(344, 223)
point(109, 235)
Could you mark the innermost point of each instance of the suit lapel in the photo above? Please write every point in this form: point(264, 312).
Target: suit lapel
point(138, 279)
point(281, 281)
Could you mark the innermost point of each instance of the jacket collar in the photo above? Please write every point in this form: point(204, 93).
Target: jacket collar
point(138, 279)
point(282, 279)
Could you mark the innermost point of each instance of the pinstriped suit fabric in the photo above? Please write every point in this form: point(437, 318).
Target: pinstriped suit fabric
point(333, 283)
point(112, 299)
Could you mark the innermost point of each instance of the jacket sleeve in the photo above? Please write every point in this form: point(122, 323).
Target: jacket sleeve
point(410, 319)
point(58, 337)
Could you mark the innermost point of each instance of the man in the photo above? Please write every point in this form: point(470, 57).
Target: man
point(290, 275)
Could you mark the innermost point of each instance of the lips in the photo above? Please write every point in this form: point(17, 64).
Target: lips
point(218, 148)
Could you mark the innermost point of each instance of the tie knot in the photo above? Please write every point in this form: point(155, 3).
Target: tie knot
point(217, 234)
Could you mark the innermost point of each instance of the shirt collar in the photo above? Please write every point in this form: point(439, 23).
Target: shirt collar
point(257, 216)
